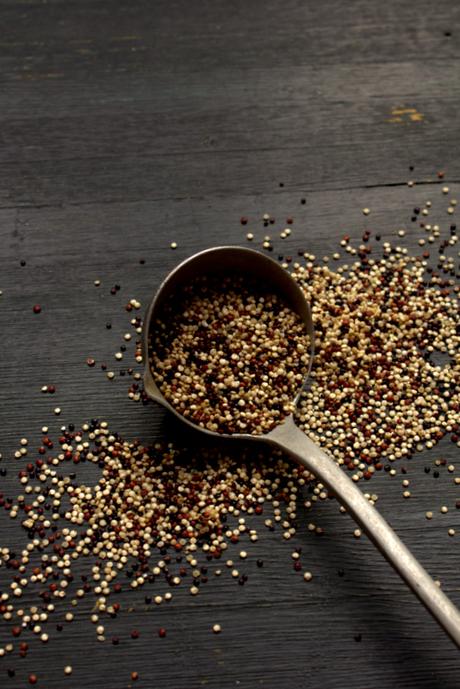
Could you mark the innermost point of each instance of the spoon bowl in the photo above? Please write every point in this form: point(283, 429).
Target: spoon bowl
point(215, 262)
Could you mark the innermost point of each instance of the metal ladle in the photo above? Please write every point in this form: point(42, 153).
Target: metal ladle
point(287, 436)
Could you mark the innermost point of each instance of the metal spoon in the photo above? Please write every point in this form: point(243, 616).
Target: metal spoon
point(287, 436)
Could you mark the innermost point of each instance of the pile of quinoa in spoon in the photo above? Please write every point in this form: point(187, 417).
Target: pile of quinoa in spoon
point(229, 356)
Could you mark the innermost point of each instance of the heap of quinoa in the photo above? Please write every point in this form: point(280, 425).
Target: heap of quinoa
point(229, 356)
point(380, 391)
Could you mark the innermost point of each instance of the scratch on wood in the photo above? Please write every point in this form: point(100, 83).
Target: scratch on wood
point(31, 76)
point(133, 37)
point(400, 114)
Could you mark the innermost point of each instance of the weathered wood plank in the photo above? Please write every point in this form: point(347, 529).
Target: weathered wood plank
point(124, 127)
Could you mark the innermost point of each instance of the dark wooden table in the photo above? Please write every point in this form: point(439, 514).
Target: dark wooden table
point(128, 125)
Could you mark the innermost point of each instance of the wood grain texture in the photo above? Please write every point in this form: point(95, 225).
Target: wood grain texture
point(125, 126)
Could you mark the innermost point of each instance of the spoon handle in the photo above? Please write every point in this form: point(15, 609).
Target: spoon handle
point(291, 439)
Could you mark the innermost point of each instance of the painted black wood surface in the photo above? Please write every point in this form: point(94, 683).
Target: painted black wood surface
point(127, 125)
